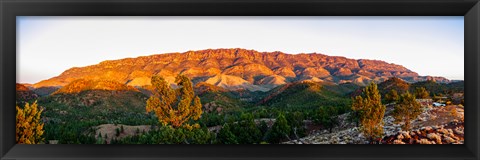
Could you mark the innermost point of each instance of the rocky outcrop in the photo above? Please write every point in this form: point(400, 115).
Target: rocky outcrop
point(452, 133)
point(249, 69)
point(436, 125)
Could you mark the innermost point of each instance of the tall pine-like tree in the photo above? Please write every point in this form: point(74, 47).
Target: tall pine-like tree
point(406, 109)
point(174, 107)
point(370, 112)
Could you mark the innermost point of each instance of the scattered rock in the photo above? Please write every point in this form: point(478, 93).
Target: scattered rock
point(449, 140)
point(398, 142)
point(346, 133)
point(424, 141)
point(400, 136)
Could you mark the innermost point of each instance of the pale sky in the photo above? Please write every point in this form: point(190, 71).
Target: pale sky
point(47, 46)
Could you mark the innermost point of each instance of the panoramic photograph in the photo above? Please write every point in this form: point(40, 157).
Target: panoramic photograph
point(240, 80)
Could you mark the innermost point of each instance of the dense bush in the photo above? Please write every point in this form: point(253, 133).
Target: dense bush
point(170, 135)
point(327, 117)
point(246, 130)
point(295, 121)
point(225, 136)
point(280, 130)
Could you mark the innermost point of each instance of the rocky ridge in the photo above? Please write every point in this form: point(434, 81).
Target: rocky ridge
point(238, 69)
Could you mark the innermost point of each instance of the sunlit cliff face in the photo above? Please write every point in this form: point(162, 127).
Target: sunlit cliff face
point(238, 69)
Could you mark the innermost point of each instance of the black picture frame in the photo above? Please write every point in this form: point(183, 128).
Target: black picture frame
point(9, 9)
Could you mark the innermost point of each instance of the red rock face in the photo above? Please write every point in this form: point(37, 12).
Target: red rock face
point(248, 66)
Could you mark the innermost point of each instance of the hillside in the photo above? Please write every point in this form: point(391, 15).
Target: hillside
point(69, 115)
point(242, 88)
point(238, 69)
point(100, 96)
point(217, 99)
point(307, 95)
point(434, 88)
point(394, 83)
point(24, 94)
point(97, 94)
point(80, 85)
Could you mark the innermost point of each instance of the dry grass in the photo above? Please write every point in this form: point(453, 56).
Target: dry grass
point(110, 130)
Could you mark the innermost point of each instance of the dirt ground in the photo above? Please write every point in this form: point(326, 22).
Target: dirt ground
point(440, 115)
point(110, 130)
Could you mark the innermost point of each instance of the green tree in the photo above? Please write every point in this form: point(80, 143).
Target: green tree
point(225, 136)
point(29, 127)
point(406, 109)
point(370, 112)
point(280, 130)
point(246, 130)
point(327, 116)
point(421, 93)
point(392, 96)
point(174, 106)
point(295, 121)
point(357, 108)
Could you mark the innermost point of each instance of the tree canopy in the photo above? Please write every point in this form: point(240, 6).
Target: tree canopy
point(370, 111)
point(406, 110)
point(174, 106)
point(280, 130)
point(392, 96)
point(421, 93)
point(29, 128)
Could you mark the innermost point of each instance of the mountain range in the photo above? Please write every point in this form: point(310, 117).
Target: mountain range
point(236, 69)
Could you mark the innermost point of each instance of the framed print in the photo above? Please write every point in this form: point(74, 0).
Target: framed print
point(239, 79)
